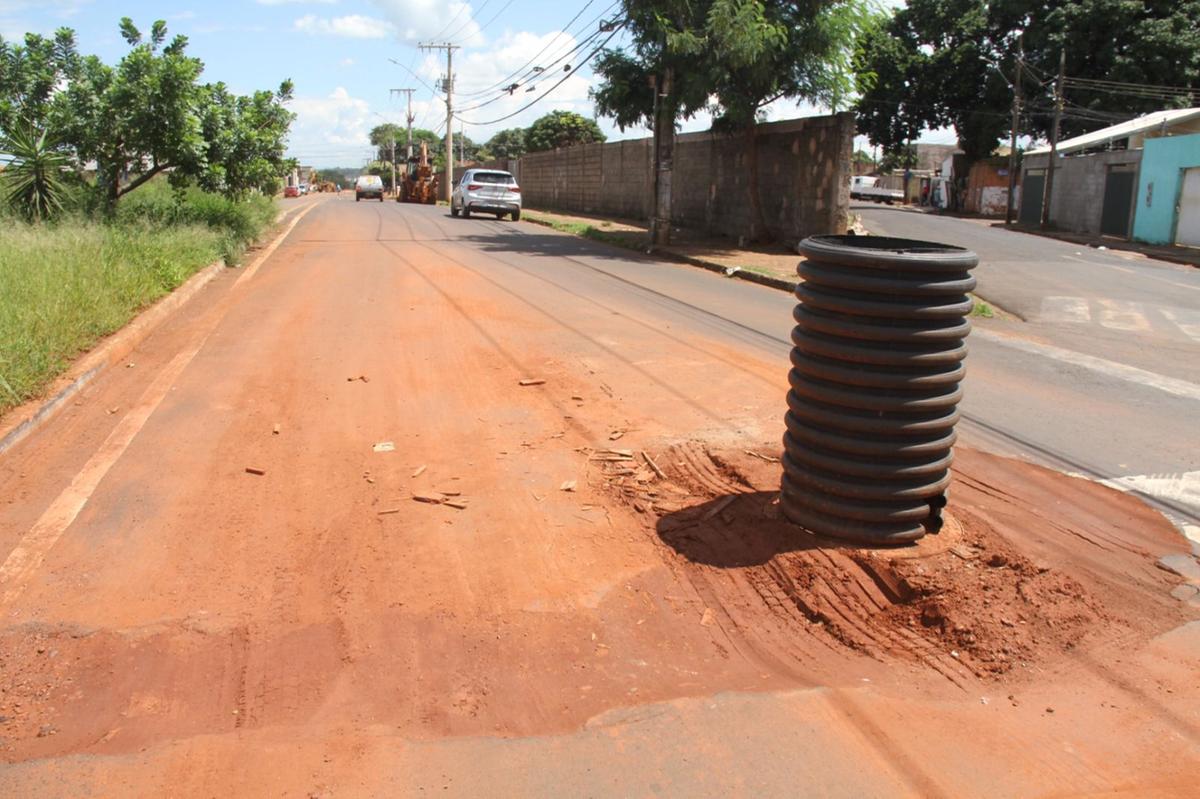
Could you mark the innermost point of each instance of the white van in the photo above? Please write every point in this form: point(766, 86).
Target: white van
point(368, 186)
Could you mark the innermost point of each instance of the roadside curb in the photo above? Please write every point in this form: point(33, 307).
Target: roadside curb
point(669, 255)
point(25, 419)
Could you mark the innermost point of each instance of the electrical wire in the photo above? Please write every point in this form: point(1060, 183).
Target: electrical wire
point(520, 72)
point(474, 14)
point(533, 83)
point(560, 82)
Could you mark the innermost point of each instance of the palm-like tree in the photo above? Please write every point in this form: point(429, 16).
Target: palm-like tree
point(33, 183)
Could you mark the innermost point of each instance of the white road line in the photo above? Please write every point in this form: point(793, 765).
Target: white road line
point(1119, 315)
point(33, 547)
point(1130, 374)
point(1186, 320)
point(1182, 489)
point(1071, 310)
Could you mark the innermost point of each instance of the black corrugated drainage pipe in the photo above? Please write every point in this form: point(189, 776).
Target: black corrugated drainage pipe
point(877, 361)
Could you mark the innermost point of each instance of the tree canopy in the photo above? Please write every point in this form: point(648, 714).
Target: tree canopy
point(561, 129)
point(508, 143)
point(146, 115)
point(950, 63)
point(732, 58)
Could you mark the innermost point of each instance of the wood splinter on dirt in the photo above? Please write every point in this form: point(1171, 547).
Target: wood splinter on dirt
point(719, 506)
point(419, 471)
point(654, 466)
point(568, 485)
point(766, 458)
point(428, 498)
point(363, 378)
point(614, 435)
point(255, 470)
point(531, 381)
point(275, 429)
point(389, 510)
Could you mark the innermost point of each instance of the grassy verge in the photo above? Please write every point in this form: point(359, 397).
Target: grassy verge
point(597, 232)
point(67, 285)
point(982, 309)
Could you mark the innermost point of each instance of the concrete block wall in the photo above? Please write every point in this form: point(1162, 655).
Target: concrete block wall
point(804, 166)
point(1077, 199)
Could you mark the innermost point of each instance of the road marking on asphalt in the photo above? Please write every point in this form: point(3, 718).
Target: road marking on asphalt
point(1182, 488)
point(1185, 320)
point(1065, 309)
point(1118, 315)
point(1131, 374)
point(33, 547)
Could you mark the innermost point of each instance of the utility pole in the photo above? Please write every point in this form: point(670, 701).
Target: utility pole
point(1016, 122)
point(664, 156)
point(448, 85)
point(1058, 107)
point(409, 116)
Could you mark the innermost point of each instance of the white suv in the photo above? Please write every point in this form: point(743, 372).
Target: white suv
point(488, 191)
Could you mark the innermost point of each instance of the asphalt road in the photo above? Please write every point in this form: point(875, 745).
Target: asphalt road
point(1115, 305)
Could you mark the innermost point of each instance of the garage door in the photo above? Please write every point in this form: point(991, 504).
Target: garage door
point(1118, 200)
point(1031, 198)
point(1187, 230)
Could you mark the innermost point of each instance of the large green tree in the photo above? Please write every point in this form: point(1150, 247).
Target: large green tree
point(561, 129)
point(147, 115)
point(949, 63)
point(733, 57)
point(508, 143)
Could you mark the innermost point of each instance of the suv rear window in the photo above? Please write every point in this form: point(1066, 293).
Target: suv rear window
point(493, 177)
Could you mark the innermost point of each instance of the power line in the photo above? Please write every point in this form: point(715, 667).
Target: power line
point(542, 76)
point(520, 71)
point(560, 82)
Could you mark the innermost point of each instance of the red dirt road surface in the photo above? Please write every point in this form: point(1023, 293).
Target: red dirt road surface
point(318, 540)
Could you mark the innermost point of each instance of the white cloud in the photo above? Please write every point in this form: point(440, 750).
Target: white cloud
point(416, 20)
point(346, 62)
point(353, 26)
point(479, 71)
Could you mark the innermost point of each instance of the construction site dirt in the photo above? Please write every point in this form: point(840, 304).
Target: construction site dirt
point(567, 575)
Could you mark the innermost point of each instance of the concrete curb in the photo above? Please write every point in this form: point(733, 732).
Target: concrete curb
point(668, 255)
point(24, 419)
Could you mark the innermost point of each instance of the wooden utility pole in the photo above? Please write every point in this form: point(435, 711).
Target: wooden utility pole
point(448, 85)
point(664, 156)
point(1016, 122)
point(1058, 107)
point(408, 116)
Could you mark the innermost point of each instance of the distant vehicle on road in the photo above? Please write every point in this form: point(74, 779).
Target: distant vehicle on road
point(291, 191)
point(304, 188)
point(369, 186)
point(865, 187)
point(488, 191)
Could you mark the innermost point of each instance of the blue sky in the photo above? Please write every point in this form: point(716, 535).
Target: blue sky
point(339, 54)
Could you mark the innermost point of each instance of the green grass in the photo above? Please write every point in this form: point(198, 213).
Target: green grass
point(982, 309)
point(618, 238)
point(66, 285)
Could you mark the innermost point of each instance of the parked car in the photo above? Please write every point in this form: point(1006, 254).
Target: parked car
point(291, 191)
point(369, 186)
point(304, 188)
point(489, 191)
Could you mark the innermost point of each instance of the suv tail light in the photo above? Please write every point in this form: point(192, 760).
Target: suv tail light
point(474, 186)
point(515, 189)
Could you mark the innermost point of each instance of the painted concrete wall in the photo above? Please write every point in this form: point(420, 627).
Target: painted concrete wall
point(1158, 187)
point(803, 171)
point(1078, 197)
